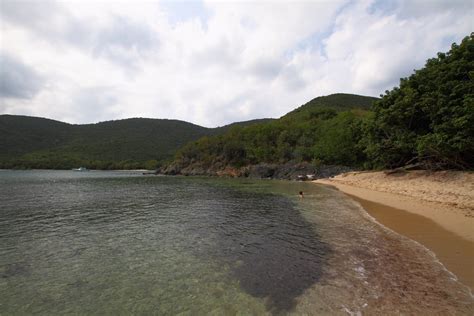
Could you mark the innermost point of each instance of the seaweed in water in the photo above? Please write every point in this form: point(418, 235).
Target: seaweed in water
point(15, 269)
point(274, 252)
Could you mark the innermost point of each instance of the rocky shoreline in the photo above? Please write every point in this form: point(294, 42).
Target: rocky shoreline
point(287, 171)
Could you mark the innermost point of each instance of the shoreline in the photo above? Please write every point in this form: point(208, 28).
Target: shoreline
point(443, 228)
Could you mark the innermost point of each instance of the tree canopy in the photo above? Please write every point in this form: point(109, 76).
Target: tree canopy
point(429, 118)
point(32, 142)
point(325, 130)
point(428, 121)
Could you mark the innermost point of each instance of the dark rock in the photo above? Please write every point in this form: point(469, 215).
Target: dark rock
point(287, 171)
point(262, 171)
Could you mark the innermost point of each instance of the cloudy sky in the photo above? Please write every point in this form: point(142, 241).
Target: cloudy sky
point(211, 63)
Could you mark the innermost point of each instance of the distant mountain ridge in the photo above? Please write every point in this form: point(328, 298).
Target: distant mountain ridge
point(34, 142)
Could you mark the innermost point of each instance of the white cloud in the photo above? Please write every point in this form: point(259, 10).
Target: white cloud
point(213, 63)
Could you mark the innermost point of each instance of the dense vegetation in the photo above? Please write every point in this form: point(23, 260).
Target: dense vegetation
point(428, 120)
point(31, 142)
point(325, 130)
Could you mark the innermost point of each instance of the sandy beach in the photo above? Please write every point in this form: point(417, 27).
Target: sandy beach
point(435, 209)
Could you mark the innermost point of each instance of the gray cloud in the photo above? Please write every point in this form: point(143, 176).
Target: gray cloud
point(246, 61)
point(126, 34)
point(94, 104)
point(406, 9)
point(266, 68)
point(34, 15)
point(234, 109)
point(422, 8)
point(292, 78)
point(123, 40)
point(17, 80)
point(224, 53)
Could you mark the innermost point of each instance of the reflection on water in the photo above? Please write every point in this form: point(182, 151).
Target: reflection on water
point(118, 242)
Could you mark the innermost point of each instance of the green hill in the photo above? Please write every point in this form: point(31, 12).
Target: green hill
point(32, 142)
point(23, 134)
point(337, 102)
point(325, 129)
point(223, 129)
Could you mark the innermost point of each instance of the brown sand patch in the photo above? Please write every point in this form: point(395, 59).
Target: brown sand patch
point(435, 209)
point(456, 253)
point(453, 188)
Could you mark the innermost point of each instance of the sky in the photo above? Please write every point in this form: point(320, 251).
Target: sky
point(211, 63)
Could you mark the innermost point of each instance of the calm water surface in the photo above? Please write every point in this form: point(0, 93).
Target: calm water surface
point(122, 243)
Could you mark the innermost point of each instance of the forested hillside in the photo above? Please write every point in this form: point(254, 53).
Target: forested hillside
point(31, 142)
point(325, 130)
point(429, 118)
point(428, 121)
point(337, 102)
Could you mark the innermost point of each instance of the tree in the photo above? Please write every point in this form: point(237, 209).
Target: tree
point(430, 117)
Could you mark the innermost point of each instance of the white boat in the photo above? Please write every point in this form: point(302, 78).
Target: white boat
point(81, 169)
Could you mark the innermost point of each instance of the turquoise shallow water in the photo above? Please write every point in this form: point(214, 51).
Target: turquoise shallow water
point(122, 243)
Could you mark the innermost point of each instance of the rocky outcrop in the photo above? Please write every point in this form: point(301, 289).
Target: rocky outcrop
point(287, 171)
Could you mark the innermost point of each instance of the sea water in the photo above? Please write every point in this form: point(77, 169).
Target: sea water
point(103, 242)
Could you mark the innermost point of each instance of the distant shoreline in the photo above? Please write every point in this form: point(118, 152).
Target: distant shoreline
point(141, 170)
point(434, 209)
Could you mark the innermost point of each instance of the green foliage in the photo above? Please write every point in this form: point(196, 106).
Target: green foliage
point(332, 103)
point(31, 142)
point(430, 117)
point(339, 139)
point(314, 132)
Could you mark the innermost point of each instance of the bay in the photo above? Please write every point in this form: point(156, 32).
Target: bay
point(114, 242)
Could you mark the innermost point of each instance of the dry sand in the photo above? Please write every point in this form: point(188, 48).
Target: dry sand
point(433, 208)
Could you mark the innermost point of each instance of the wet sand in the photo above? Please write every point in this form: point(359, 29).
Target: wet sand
point(443, 228)
point(456, 253)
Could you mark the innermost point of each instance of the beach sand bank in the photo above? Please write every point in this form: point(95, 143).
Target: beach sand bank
point(435, 209)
